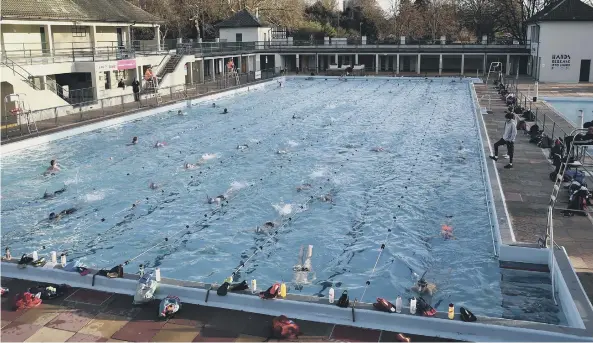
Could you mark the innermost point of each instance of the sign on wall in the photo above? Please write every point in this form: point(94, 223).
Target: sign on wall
point(126, 64)
point(258, 74)
point(561, 61)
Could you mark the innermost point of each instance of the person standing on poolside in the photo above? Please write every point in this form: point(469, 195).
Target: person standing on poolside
point(508, 138)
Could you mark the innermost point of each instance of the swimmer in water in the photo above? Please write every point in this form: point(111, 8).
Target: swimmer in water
point(294, 116)
point(159, 144)
point(179, 113)
point(424, 288)
point(267, 226)
point(242, 146)
point(447, 232)
point(54, 216)
point(47, 195)
point(216, 200)
point(225, 111)
point(213, 105)
point(134, 140)
point(53, 167)
point(189, 166)
point(280, 152)
point(327, 198)
point(154, 185)
point(378, 149)
point(303, 269)
point(304, 186)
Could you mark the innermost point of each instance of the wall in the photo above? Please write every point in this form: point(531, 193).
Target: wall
point(63, 38)
point(250, 34)
point(107, 36)
point(564, 38)
point(260, 34)
point(20, 37)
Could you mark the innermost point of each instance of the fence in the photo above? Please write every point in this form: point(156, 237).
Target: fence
point(51, 118)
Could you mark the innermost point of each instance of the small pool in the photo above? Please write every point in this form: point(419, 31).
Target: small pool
point(317, 134)
point(570, 107)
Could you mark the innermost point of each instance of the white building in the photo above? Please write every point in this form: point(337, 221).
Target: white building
point(244, 27)
point(561, 45)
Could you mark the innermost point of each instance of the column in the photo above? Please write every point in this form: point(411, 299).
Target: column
point(138, 71)
point(222, 67)
point(157, 36)
point(212, 72)
point(190, 72)
point(386, 61)
point(336, 59)
point(128, 39)
point(202, 66)
point(462, 63)
point(256, 62)
point(376, 63)
point(440, 64)
point(484, 64)
point(316, 63)
point(50, 39)
point(44, 82)
point(298, 63)
point(356, 59)
point(418, 65)
point(93, 36)
point(397, 65)
point(508, 68)
point(239, 63)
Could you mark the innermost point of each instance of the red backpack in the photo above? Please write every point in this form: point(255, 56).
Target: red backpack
point(284, 328)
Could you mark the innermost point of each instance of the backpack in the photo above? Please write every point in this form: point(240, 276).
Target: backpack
point(344, 300)
point(534, 129)
point(284, 328)
point(528, 115)
point(546, 142)
point(521, 125)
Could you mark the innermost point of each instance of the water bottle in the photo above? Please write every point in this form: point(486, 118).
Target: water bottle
point(253, 286)
point(283, 290)
point(157, 274)
point(331, 295)
point(54, 257)
point(451, 314)
point(398, 304)
point(413, 305)
point(35, 255)
point(63, 260)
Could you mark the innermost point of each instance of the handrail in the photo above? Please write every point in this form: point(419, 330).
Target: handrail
point(27, 79)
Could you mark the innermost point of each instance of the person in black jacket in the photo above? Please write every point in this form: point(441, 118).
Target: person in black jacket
point(136, 89)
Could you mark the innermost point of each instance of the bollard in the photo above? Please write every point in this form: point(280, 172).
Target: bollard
point(54, 257)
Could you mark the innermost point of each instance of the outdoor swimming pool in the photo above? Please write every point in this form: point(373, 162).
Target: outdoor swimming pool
point(569, 107)
point(308, 132)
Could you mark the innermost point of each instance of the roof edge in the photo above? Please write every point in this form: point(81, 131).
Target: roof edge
point(27, 18)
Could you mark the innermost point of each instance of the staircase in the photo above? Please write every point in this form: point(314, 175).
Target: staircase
point(182, 49)
point(527, 295)
point(28, 78)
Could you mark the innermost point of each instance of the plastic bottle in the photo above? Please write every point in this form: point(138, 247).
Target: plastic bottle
point(35, 255)
point(398, 304)
point(331, 295)
point(63, 260)
point(413, 305)
point(253, 286)
point(451, 314)
point(54, 257)
point(283, 290)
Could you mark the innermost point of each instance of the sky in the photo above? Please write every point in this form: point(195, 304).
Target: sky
point(385, 4)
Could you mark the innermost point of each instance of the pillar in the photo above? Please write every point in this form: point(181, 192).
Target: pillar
point(138, 75)
point(221, 67)
point(484, 64)
point(508, 68)
point(397, 65)
point(128, 40)
point(440, 64)
point(212, 71)
point(356, 59)
point(336, 59)
point(93, 36)
point(256, 62)
point(239, 63)
point(43, 82)
point(418, 65)
point(190, 72)
point(298, 62)
point(386, 62)
point(50, 39)
point(316, 63)
point(202, 66)
point(157, 36)
point(462, 63)
point(376, 63)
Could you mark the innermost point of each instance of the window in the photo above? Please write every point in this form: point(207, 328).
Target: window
point(239, 37)
point(79, 31)
point(107, 76)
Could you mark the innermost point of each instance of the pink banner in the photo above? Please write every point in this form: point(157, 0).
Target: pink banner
point(126, 64)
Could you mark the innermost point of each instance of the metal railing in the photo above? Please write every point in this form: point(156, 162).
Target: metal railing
point(54, 117)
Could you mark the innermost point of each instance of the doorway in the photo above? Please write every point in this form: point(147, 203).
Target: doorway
point(585, 70)
point(44, 42)
point(238, 37)
point(120, 38)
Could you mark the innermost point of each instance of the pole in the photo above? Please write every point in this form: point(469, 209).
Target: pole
point(582, 116)
point(536, 90)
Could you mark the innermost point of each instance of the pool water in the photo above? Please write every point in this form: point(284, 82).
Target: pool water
point(317, 132)
point(570, 107)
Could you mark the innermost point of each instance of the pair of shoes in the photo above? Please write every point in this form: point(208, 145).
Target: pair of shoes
point(508, 166)
point(494, 158)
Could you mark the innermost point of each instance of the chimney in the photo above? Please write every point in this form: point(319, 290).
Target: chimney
point(257, 13)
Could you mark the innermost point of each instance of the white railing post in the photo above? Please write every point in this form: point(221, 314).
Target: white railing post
point(551, 247)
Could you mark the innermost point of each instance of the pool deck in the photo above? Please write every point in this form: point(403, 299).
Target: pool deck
point(91, 316)
point(527, 187)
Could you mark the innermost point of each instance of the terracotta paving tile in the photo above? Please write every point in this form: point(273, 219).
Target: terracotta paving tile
point(88, 296)
point(191, 315)
point(9, 314)
point(71, 320)
point(352, 334)
point(139, 330)
point(247, 338)
point(209, 334)
point(40, 315)
point(222, 321)
point(104, 325)
point(80, 337)
point(18, 332)
point(121, 305)
point(46, 334)
point(176, 333)
point(114, 340)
